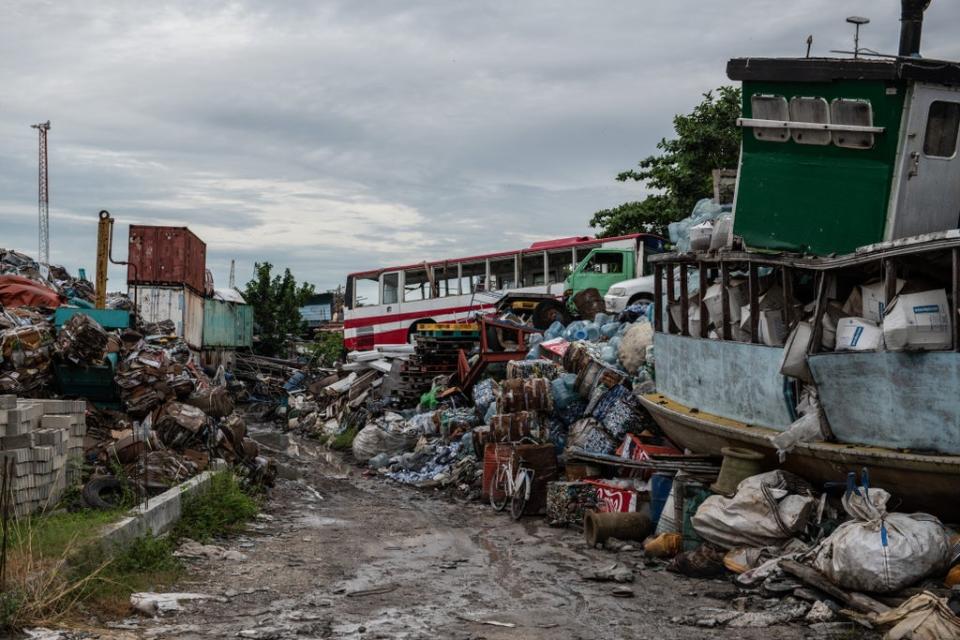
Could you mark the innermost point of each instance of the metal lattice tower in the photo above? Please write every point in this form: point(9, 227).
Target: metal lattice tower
point(44, 194)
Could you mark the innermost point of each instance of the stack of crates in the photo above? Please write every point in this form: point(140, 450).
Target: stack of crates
point(44, 438)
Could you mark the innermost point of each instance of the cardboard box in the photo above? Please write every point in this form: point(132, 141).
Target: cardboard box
point(794, 361)
point(918, 321)
point(874, 301)
point(736, 298)
point(771, 328)
point(858, 334)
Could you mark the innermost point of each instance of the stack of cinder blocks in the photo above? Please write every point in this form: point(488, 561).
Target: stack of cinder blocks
point(44, 438)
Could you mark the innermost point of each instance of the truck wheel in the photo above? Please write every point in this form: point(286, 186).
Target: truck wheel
point(548, 312)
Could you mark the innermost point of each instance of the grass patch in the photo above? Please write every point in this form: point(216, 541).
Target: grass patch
point(54, 566)
point(221, 509)
point(343, 441)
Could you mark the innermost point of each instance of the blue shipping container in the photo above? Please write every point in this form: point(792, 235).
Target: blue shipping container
point(227, 324)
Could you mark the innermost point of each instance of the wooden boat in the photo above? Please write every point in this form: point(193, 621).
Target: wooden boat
point(919, 482)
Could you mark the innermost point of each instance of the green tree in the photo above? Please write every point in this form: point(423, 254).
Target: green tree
point(276, 302)
point(707, 138)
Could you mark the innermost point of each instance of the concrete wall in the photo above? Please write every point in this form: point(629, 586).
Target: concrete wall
point(158, 516)
point(734, 380)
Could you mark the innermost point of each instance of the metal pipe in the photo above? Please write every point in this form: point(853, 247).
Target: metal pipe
point(911, 26)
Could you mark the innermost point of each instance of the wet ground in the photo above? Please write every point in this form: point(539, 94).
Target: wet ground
point(340, 555)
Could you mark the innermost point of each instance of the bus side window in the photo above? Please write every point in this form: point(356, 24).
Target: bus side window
point(391, 288)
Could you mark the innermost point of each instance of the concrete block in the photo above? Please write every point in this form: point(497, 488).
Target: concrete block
point(42, 454)
point(56, 421)
point(21, 441)
point(8, 401)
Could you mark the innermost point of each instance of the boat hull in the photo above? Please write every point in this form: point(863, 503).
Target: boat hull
point(917, 482)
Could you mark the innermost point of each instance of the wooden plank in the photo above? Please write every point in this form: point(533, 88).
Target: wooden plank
point(786, 274)
point(956, 300)
point(754, 303)
point(671, 299)
point(814, 578)
point(819, 309)
point(889, 282)
point(658, 298)
point(684, 302)
point(727, 331)
point(704, 316)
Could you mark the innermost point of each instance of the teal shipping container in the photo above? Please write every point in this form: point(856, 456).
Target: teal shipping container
point(227, 322)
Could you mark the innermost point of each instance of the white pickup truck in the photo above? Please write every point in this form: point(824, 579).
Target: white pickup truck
point(623, 294)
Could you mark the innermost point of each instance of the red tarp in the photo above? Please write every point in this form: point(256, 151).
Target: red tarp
point(17, 291)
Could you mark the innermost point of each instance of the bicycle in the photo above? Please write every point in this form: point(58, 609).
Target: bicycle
point(515, 487)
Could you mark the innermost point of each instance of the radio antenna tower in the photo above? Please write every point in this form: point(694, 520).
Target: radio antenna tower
point(44, 193)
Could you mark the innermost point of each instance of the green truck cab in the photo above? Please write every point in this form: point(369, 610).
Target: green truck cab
point(619, 259)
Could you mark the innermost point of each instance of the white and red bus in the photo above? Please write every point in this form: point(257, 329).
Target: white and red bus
point(385, 306)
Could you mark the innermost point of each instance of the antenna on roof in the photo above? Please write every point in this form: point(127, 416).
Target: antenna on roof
point(857, 21)
point(809, 44)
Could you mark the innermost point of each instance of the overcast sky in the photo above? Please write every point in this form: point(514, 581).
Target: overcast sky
point(334, 136)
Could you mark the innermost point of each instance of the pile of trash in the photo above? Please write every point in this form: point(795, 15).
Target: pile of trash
point(798, 556)
point(571, 395)
point(23, 281)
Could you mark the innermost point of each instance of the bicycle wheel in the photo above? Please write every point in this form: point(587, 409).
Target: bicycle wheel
point(498, 489)
point(518, 500)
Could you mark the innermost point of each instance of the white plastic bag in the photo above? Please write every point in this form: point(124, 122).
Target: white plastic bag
point(879, 551)
point(386, 435)
point(764, 512)
point(633, 346)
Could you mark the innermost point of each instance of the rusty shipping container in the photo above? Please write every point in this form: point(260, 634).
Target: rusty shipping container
point(166, 256)
point(179, 304)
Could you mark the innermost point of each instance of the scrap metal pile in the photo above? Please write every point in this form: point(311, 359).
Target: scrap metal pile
point(159, 418)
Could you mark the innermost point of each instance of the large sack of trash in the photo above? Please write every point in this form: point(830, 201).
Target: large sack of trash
point(879, 551)
point(767, 509)
point(633, 346)
point(389, 435)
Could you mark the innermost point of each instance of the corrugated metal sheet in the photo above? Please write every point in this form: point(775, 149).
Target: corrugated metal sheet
point(227, 324)
point(166, 256)
point(179, 304)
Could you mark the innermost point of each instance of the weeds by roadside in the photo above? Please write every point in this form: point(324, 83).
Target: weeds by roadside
point(343, 441)
point(56, 568)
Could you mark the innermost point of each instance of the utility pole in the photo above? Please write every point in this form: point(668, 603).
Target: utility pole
point(44, 193)
point(233, 275)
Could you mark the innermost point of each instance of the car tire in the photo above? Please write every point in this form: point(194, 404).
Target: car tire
point(547, 313)
point(104, 493)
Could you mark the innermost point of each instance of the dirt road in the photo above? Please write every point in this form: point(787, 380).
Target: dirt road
point(339, 555)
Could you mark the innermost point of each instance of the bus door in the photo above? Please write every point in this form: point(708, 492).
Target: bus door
point(391, 326)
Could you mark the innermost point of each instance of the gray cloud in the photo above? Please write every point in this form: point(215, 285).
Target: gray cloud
point(336, 136)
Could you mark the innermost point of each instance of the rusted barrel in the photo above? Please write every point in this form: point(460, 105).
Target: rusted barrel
point(512, 427)
point(531, 394)
point(598, 527)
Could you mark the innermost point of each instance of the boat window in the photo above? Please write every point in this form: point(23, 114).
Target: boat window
point(814, 110)
point(943, 123)
point(770, 108)
point(391, 286)
point(852, 112)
